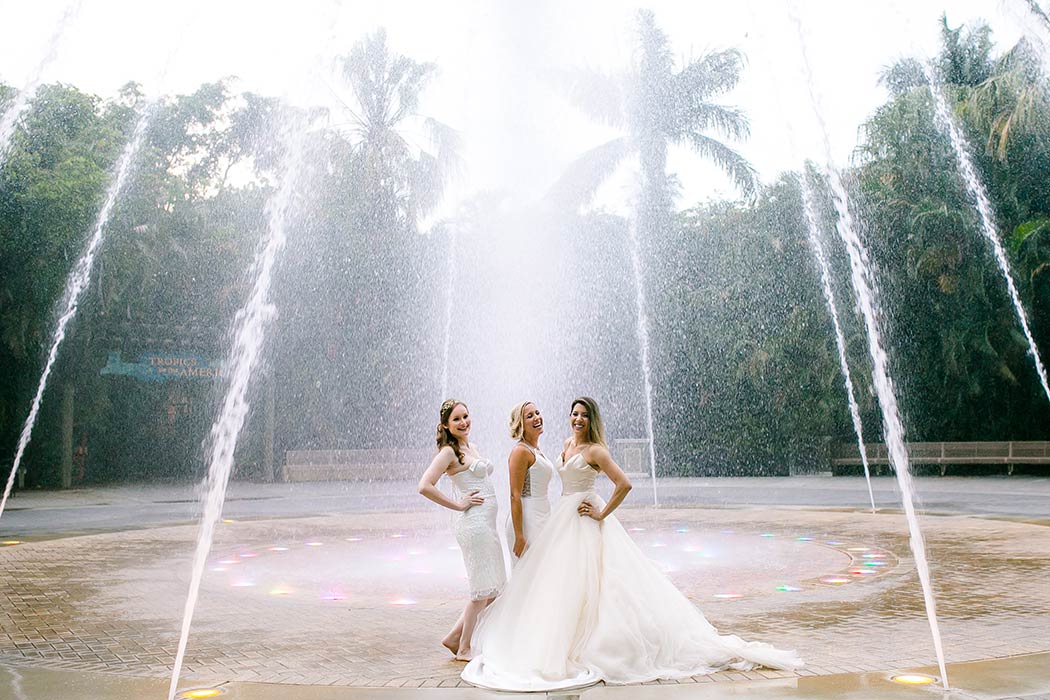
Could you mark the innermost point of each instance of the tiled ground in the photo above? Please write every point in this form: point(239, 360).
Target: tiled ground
point(113, 602)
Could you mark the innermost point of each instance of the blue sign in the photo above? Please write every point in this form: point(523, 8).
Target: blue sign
point(163, 366)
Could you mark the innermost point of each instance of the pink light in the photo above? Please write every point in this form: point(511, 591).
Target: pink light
point(333, 596)
point(727, 596)
point(403, 602)
point(834, 580)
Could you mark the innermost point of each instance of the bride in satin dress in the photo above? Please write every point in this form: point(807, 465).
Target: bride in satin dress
point(586, 605)
point(530, 476)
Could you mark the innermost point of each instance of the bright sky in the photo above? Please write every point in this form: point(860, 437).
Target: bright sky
point(493, 55)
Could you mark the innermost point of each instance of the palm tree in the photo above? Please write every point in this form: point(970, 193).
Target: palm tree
point(655, 105)
point(406, 178)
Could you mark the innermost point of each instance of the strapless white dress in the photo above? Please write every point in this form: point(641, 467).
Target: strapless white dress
point(586, 605)
point(476, 532)
point(535, 503)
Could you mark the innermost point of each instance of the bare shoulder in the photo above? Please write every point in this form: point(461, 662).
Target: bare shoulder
point(521, 455)
point(446, 456)
point(596, 453)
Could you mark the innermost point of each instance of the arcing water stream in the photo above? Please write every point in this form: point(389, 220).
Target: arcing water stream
point(866, 291)
point(813, 228)
point(250, 328)
point(984, 210)
point(78, 281)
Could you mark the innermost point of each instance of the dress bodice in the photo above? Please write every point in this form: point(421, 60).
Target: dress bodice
point(538, 476)
point(576, 475)
point(475, 478)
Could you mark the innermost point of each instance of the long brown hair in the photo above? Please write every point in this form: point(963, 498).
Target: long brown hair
point(595, 428)
point(444, 435)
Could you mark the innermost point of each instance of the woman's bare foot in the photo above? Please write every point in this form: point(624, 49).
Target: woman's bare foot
point(451, 643)
point(463, 655)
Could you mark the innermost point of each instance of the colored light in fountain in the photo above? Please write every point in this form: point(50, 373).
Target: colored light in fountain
point(397, 536)
point(873, 555)
point(243, 583)
point(333, 596)
point(857, 549)
point(833, 543)
point(10, 543)
point(229, 521)
point(636, 529)
point(913, 679)
point(354, 539)
point(682, 530)
point(314, 544)
point(198, 693)
point(219, 568)
point(874, 563)
point(727, 596)
point(278, 549)
point(804, 539)
point(834, 580)
point(229, 562)
point(767, 534)
point(403, 602)
point(281, 591)
point(789, 589)
point(247, 555)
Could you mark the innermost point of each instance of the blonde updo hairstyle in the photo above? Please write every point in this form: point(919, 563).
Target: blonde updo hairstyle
point(444, 435)
point(517, 420)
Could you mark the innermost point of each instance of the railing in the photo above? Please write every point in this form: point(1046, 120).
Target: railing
point(355, 465)
point(947, 454)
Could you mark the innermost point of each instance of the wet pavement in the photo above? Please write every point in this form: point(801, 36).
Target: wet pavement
point(337, 591)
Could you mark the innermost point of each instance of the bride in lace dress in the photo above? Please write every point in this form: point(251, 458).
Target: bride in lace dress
point(476, 526)
point(586, 605)
point(530, 476)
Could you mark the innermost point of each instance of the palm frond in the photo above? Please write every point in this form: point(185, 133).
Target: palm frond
point(712, 74)
point(739, 170)
point(578, 184)
point(598, 95)
point(730, 122)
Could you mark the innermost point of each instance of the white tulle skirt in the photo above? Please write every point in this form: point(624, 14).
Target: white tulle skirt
point(585, 605)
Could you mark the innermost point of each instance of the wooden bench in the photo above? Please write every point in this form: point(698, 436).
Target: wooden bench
point(846, 458)
point(355, 465)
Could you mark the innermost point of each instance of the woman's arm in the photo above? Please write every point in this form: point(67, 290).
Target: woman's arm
point(600, 457)
point(428, 483)
point(519, 466)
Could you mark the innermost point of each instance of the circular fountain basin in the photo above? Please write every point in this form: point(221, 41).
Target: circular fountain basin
point(404, 568)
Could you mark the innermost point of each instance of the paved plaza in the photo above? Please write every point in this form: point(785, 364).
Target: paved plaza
point(349, 598)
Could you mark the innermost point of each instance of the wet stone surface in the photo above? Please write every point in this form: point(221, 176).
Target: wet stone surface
point(363, 599)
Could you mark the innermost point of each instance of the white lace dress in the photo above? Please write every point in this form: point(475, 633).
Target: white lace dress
point(535, 502)
point(476, 532)
point(585, 605)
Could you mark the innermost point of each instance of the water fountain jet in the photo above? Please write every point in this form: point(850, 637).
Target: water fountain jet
point(984, 210)
point(78, 281)
point(866, 290)
point(250, 327)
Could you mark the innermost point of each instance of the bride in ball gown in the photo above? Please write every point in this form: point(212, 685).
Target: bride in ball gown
point(586, 605)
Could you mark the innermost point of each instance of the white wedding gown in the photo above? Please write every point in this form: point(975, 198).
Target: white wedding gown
point(535, 504)
point(586, 605)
